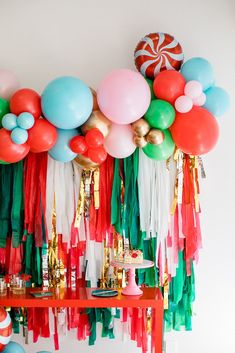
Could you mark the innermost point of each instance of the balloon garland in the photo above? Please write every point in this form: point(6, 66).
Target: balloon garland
point(83, 175)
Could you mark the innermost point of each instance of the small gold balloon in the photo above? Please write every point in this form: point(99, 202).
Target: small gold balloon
point(139, 141)
point(99, 121)
point(95, 103)
point(155, 137)
point(85, 162)
point(141, 127)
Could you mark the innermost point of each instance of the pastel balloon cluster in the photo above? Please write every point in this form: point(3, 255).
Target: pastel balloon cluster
point(18, 126)
point(71, 121)
point(217, 100)
point(193, 95)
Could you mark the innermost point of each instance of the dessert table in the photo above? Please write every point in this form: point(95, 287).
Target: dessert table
point(82, 298)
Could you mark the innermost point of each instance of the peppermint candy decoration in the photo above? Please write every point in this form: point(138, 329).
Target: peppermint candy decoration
point(5, 328)
point(157, 52)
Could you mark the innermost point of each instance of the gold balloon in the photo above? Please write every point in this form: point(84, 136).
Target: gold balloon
point(141, 127)
point(155, 137)
point(139, 141)
point(99, 121)
point(85, 162)
point(95, 103)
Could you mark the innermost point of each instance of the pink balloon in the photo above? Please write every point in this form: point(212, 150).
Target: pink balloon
point(123, 96)
point(193, 89)
point(200, 100)
point(183, 104)
point(119, 142)
point(9, 84)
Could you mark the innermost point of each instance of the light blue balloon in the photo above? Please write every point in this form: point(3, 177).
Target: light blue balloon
point(19, 136)
point(9, 121)
point(61, 151)
point(25, 120)
point(199, 69)
point(13, 347)
point(217, 101)
point(43, 352)
point(67, 102)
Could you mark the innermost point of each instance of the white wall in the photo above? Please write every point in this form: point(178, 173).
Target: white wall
point(42, 39)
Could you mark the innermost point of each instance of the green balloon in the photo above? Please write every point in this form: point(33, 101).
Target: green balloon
point(163, 151)
point(2, 162)
point(160, 114)
point(150, 83)
point(4, 109)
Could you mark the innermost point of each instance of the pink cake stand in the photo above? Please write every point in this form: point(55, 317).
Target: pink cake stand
point(132, 288)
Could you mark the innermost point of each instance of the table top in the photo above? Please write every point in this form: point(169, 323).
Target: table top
point(82, 298)
point(144, 264)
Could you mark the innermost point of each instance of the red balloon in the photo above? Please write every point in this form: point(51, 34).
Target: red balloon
point(195, 132)
point(42, 136)
point(9, 151)
point(169, 85)
point(26, 100)
point(94, 138)
point(97, 155)
point(78, 144)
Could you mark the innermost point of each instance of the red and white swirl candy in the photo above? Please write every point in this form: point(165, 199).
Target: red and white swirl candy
point(157, 52)
point(5, 328)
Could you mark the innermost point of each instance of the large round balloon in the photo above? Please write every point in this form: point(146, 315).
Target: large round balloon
point(4, 109)
point(9, 151)
point(169, 85)
point(67, 102)
point(99, 121)
point(160, 114)
point(199, 69)
point(9, 84)
point(157, 52)
point(42, 136)
point(85, 162)
point(195, 132)
point(217, 101)
point(119, 143)
point(26, 100)
point(123, 96)
point(14, 347)
point(162, 151)
point(61, 151)
point(5, 328)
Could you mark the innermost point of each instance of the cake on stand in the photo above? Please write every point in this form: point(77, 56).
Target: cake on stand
point(132, 287)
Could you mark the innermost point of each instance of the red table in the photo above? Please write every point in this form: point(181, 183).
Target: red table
point(82, 298)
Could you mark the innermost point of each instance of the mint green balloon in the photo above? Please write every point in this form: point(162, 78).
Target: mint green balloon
point(163, 151)
point(150, 83)
point(160, 114)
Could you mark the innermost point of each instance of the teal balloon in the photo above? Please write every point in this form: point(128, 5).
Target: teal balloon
point(61, 151)
point(199, 69)
point(217, 101)
point(19, 136)
point(25, 120)
point(44, 352)
point(67, 102)
point(163, 151)
point(13, 347)
point(9, 121)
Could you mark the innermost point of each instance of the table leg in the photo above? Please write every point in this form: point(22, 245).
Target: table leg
point(157, 329)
